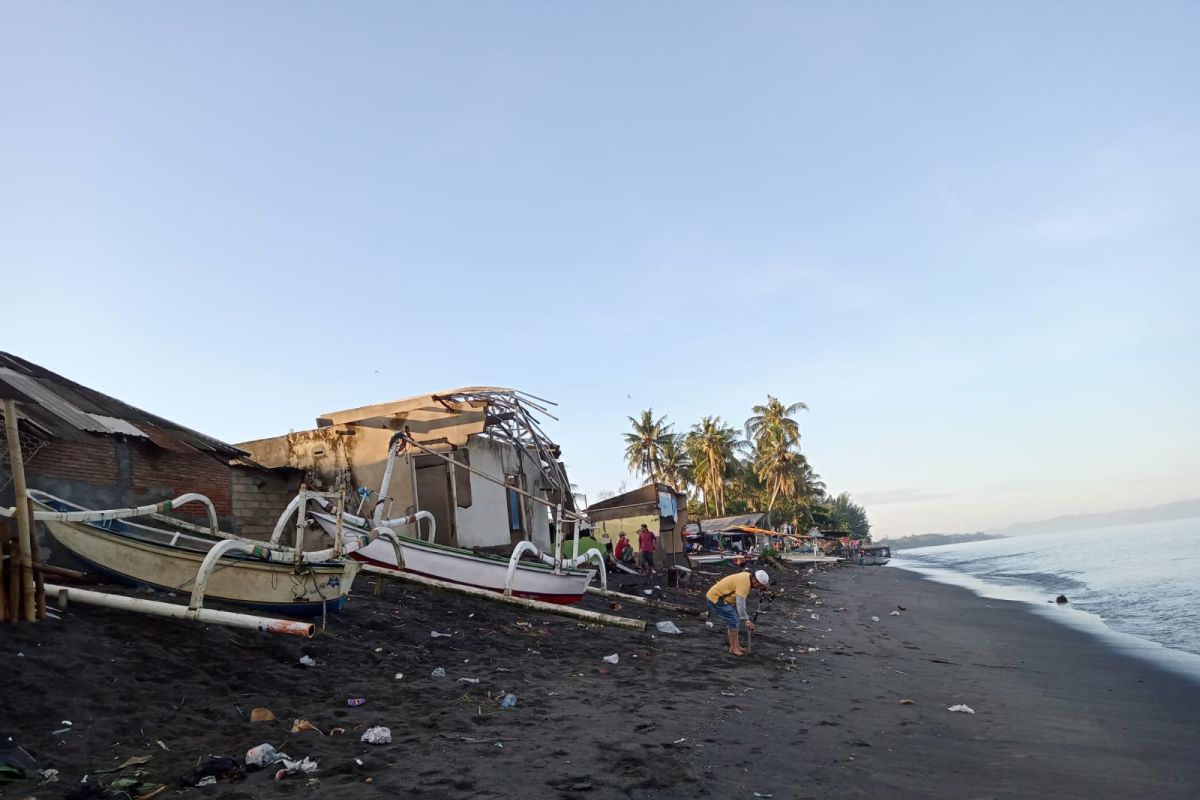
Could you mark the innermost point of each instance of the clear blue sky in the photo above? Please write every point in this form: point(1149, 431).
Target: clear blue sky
point(964, 233)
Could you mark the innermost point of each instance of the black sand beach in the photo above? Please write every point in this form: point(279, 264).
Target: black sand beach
point(1056, 714)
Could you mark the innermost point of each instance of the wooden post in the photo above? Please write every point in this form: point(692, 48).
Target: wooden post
point(40, 586)
point(14, 581)
point(24, 533)
point(4, 526)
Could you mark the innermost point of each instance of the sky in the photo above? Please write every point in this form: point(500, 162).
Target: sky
point(965, 234)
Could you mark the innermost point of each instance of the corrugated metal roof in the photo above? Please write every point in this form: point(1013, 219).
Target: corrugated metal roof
point(51, 402)
point(70, 410)
point(119, 426)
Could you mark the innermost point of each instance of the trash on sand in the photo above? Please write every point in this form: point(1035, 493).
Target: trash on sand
point(354, 702)
point(961, 708)
point(308, 661)
point(162, 744)
point(218, 768)
point(262, 755)
point(708, 623)
point(756, 794)
point(49, 776)
point(647, 591)
point(1061, 599)
point(894, 614)
point(902, 608)
point(261, 715)
point(377, 735)
point(615, 606)
point(613, 659)
point(667, 627)
point(907, 702)
point(399, 676)
point(468, 680)
point(679, 741)
point(440, 672)
point(509, 701)
point(437, 635)
point(874, 619)
point(305, 766)
point(301, 725)
point(815, 616)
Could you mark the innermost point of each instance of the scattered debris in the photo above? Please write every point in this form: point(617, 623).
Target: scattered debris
point(440, 672)
point(509, 701)
point(305, 766)
point(438, 635)
point(354, 702)
point(216, 769)
point(308, 661)
point(263, 755)
point(894, 614)
point(874, 619)
point(301, 725)
point(377, 735)
point(399, 676)
point(1061, 599)
point(907, 702)
point(962, 709)
point(261, 715)
point(613, 659)
point(667, 627)
point(468, 680)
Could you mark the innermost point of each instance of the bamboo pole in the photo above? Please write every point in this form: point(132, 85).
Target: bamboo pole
point(486, 594)
point(4, 526)
point(643, 601)
point(24, 534)
point(14, 580)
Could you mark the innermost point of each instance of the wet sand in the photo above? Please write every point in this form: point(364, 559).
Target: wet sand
point(1057, 714)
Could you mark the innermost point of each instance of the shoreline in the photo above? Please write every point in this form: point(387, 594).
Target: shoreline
point(814, 712)
point(1181, 662)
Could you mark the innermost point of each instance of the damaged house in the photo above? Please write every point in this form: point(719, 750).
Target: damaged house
point(465, 455)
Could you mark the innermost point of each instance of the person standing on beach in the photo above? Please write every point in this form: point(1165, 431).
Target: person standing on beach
point(727, 600)
point(646, 539)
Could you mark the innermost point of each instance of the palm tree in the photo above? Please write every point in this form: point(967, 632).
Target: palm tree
point(714, 448)
point(775, 414)
point(675, 464)
point(644, 445)
point(777, 464)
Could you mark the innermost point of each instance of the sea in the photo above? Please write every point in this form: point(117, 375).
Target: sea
point(1136, 587)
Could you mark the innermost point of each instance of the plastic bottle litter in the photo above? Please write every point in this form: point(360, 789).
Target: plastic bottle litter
point(509, 701)
point(262, 755)
point(961, 709)
point(440, 672)
point(667, 627)
point(613, 659)
point(377, 735)
point(308, 661)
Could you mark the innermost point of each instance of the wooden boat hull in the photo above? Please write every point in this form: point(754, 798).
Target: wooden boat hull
point(453, 564)
point(808, 558)
point(112, 548)
point(719, 559)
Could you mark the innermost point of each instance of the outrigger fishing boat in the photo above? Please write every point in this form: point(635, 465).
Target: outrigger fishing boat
point(531, 579)
point(175, 556)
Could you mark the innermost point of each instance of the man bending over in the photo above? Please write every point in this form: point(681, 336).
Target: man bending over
point(727, 600)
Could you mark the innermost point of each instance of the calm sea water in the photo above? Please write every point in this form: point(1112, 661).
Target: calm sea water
point(1136, 586)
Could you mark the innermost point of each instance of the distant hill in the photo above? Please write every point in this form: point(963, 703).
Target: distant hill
point(933, 539)
point(1183, 509)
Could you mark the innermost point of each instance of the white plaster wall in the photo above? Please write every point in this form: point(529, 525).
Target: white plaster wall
point(485, 523)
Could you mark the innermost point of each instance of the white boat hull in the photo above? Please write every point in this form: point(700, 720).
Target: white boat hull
point(275, 587)
point(453, 564)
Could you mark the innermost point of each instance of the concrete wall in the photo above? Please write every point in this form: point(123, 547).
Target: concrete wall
point(259, 498)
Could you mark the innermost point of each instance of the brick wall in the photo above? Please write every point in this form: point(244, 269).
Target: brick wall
point(164, 474)
point(259, 497)
point(88, 462)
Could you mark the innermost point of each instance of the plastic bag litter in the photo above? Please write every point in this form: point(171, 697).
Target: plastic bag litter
point(509, 701)
point(894, 614)
point(874, 619)
point(399, 676)
point(438, 635)
point(262, 755)
point(667, 627)
point(468, 680)
point(440, 672)
point(377, 735)
point(308, 661)
point(962, 709)
point(305, 766)
point(613, 659)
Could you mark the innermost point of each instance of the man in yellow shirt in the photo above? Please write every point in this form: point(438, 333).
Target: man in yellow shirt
point(727, 600)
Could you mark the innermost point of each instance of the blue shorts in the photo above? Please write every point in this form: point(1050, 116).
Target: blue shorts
point(725, 612)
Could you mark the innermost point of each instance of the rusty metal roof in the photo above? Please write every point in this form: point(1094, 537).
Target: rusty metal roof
point(70, 410)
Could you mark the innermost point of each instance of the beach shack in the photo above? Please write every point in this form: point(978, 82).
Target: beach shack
point(474, 457)
point(659, 506)
point(89, 448)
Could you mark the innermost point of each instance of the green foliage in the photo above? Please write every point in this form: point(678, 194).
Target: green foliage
point(726, 474)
